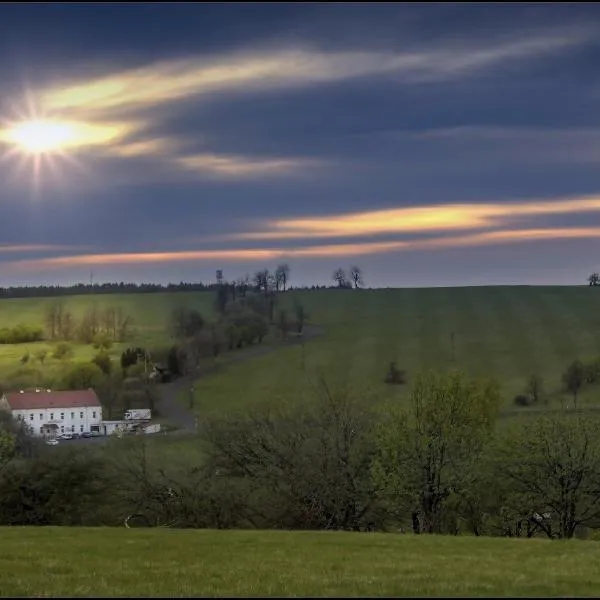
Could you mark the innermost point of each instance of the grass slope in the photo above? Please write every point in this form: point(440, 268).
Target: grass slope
point(117, 562)
point(504, 332)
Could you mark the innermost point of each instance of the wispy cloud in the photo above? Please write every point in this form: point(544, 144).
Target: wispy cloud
point(25, 248)
point(317, 251)
point(172, 80)
point(114, 112)
point(423, 219)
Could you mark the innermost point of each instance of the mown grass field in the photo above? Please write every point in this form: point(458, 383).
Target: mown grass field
point(503, 332)
point(71, 562)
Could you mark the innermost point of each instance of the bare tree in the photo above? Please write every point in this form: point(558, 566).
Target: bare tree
point(356, 276)
point(594, 279)
point(339, 276)
point(553, 462)
point(282, 274)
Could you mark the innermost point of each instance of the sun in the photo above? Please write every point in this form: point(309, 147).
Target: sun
point(42, 137)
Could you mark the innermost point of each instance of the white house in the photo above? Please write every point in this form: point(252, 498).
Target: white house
point(49, 413)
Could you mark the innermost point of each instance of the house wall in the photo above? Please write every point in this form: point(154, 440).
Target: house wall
point(68, 419)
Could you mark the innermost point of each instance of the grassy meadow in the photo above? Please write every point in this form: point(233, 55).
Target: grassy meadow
point(505, 332)
point(74, 562)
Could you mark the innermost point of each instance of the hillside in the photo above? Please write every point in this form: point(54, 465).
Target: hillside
point(504, 332)
point(71, 562)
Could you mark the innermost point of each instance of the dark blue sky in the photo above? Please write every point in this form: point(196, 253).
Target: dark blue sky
point(433, 144)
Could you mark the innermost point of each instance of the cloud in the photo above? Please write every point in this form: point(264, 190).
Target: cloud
point(241, 166)
point(316, 251)
point(22, 248)
point(115, 113)
point(168, 81)
point(435, 218)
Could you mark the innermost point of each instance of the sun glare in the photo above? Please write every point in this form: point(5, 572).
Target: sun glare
point(37, 137)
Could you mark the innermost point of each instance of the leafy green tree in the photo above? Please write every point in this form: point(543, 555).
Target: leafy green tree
point(535, 388)
point(7, 447)
point(425, 454)
point(82, 376)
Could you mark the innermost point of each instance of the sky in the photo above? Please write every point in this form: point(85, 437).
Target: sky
point(437, 144)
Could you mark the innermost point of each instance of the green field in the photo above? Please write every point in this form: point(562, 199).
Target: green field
point(504, 332)
point(507, 333)
point(135, 563)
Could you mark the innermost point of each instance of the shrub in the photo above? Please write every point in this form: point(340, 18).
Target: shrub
point(102, 342)
point(21, 334)
point(62, 350)
point(592, 371)
point(394, 375)
point(103, 362)
point(523, 400)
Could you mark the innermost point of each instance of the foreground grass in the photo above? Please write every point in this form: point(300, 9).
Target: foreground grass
point(102, 562)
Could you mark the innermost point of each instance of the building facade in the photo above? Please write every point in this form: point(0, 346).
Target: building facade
point(48, 414)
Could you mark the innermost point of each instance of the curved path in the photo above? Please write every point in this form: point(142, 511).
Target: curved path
point(172, 409)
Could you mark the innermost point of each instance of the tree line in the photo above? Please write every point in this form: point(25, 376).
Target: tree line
point(436, 464)
point(278, 279)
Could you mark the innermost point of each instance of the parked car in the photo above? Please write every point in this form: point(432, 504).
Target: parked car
point(86, 434)
point(75, 435)
point(66, 436)
point(52, 442)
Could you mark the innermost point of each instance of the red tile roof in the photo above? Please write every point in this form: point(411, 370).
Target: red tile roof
point(45, 399)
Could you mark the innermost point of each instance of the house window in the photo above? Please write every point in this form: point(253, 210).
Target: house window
point(62, 416)
point(52, 416)
point(72, 415)
point(81, 415)
point(94, 415)
point(41, 416)
point(72, 427)
point(62, 429)
point(41, 430)
point(31, 417)
point(81, 428)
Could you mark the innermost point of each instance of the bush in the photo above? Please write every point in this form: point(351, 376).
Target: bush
point(592, 371)
point(102, 342)
point(103, 362)
point(81, 377)
point(21, 334)
point(394, 375)
point(523, 400)
point(62, 350)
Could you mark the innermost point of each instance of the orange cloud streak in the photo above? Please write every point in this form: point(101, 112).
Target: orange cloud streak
point(416, 219)
point(320, 251)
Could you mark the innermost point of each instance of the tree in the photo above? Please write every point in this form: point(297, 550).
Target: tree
point(282, 273)
point(300, 317)
point(284, 325)
point(103, 362)
point(185, 322)
point(262, 280)
point(594, 279)
point(534, 388)
point(554, 464)
point(574, 377)
point(356, 276)
point(339, 276)
point(306, 468)
point(82, 376)
point(7, 448)
point(425, 455)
